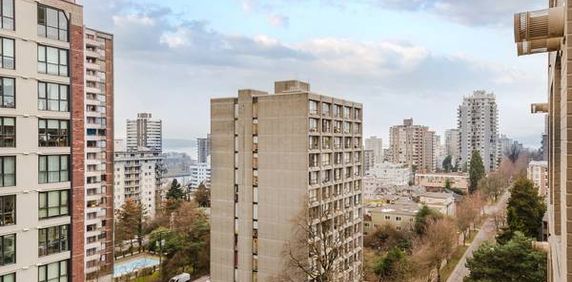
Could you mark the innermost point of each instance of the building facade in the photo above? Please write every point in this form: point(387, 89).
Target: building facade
point(375, 144)
point(551, 28)
point(537, 172)
point(137, 177)
point(281, 161)
point(99, 155)
point(412, 145)
point(478, 129)
point(200, 173)
point(390, 174)
point(144, 132)
point(203, 149)
point(368, 160)
point(452, 142)
point(438, 181)
point(46, 213)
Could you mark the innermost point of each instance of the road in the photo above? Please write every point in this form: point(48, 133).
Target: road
point(487, 232)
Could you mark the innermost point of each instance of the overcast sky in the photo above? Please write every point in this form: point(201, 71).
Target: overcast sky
point(400, 58)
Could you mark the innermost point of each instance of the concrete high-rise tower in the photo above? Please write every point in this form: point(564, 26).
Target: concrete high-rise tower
point(144, 132)
point(478, 129)
point(203, 149)
point(375, 144)
point(412, 145)
point(281, 162)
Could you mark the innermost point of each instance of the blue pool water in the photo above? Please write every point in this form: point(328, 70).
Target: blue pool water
point(132, 265)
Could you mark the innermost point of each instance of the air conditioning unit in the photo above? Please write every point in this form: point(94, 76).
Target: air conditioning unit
point(539, 31)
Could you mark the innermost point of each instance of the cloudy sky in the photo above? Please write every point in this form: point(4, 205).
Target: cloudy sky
point(401, 58)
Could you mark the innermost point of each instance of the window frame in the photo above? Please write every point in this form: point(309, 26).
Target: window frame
point(10, 17)
point(59, 28)
point(46, 62)
point(63, 233)
point(66, 142)
point(46, 174)
point(46, 99)
point(59, 277)
point(3, 169)
point(4, 57)
point(3, 250)
point(3, 277)
point(3, 213)
point(3, 134)
point(3, 92)
point(46, 197)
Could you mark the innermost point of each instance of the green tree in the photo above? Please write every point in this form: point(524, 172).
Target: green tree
point(516, 260)
point(448, 163)
point(129, 224)
point(424, 217)
point(525, 209)
point(202, 196)
point(393, 266)
point(476, 171)
point(175, 192)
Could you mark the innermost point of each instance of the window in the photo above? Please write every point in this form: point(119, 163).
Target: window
point(52, 60)
point(7, 15)
point(53, 203)
point(53, 97)
point(7, 88)
point(53, 133)
point(7, 171)
point(7, 210)
point(52, 23)
point(313, 107)
point(8, 249)
point(53, 169)
point(313, 124)
point(7, 53)
point(57, 271)
point(7, 132)
point(8, 277)
point(53, 240)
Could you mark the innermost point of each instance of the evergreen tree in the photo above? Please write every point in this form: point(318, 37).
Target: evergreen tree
point(176, 192)
point(525, 209)
point(476, 171)
point(423, 217)
point(448, 163)
point(516, 260)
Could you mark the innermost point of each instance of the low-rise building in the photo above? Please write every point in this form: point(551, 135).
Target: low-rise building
point(537, 172)
point(438, 181)
point(400, 214)
point(388, 174)
point(440, 201)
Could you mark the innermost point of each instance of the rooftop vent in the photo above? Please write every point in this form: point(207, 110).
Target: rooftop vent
point(539, 31)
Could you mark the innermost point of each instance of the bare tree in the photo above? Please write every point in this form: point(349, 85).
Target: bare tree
point(434, 247)
point(493, 185)
point(317, 247)
point(465, 215)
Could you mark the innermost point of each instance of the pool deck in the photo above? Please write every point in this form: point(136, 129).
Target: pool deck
point(134, 263)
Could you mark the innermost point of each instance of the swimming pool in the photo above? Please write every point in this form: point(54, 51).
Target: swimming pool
point(131, 265)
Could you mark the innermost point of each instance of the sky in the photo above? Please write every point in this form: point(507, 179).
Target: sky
point(400, 58)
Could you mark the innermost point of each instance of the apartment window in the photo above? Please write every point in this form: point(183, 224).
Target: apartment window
point(313, 125)
point(53, 97)
point(337, 127)
point(326, 142)
point(53, 272)
point(8, 249)
point(313, 177)
point(326, 159)
point(314, 142)
point(8, 277)
point(7, 171)
point(7, 15)
point(313, 107)
point(337, 111)
point(326, 125)
point(52, 23)
point(347, 111)
point(53, 203)
point(52, 60)
point(326, 109)
point(357, 114)
point(7, 53)
point(53, 169)
point(7, 92)
point(7, 210)
point(7, 132)
point(53, 240)
point(53, 133)
point(313, 160)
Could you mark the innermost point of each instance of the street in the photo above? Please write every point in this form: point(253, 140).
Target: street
point(486, 233)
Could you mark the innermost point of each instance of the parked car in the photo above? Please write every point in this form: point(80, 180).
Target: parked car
point(183, 277)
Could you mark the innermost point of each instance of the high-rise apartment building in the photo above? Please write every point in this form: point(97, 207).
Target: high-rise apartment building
point(368, 160)
point(99, 155)
point(203, 149)
point(412, 145)
point(144, 132)
point(45, 178)
point(438, 152)
point(375, 144)
point(452, 142)
point(478, 129)
point(540, 32)
point(282, 162)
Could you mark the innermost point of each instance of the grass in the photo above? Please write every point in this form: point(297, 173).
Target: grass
point(455, 258)
point(150, 278)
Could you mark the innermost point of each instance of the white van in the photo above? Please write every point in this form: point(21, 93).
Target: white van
point(183, 277)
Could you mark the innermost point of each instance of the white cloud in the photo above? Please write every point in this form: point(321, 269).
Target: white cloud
point(278, 20)
point(133, 19)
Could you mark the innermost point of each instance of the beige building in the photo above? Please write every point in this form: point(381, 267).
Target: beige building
point(537, 172)
point(438, 181)
point(375, 144)
point(440, 201)
point(540, 32)
point(400, 215)
point(281, 161)
point(452, 144)
point(412, 145)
